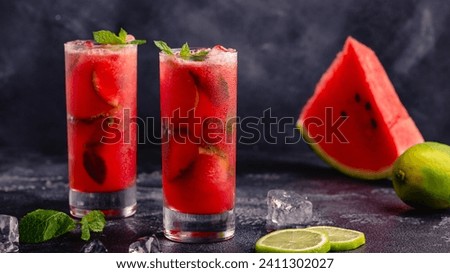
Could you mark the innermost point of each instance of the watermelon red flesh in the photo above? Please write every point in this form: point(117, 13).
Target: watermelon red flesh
point(377, 128)
point(106, 83)
point(83, 102)
point(206, 187)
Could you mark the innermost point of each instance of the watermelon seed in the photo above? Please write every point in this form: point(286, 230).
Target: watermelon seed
point(344, 114)
point(373, 122)
point(357, 97)
point(368, 106)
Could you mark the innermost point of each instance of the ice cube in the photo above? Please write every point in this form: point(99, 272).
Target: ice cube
point(9, 234)
point(147, 244)
point(219, 49)
point(94, 246)
point(288, 209)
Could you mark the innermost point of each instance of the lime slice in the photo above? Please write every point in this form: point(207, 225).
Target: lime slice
point(294, 240)
point(341, 239)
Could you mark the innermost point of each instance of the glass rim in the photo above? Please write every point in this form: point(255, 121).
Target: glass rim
point(178, 49)
point(94, 45)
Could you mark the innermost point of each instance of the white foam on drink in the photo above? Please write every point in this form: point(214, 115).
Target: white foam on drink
point(90, 48)
point(214, 56)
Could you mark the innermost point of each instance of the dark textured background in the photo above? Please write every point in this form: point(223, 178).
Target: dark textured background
point(284, 47)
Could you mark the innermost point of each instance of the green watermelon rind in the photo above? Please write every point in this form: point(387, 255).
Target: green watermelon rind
point(353, 172)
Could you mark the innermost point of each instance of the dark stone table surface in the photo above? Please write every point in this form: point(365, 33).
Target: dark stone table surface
point(31, 180)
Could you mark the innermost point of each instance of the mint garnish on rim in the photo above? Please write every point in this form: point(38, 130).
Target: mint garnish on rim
point(107, 37)
point(163, 47)
point(185, 52)
point(42, 225)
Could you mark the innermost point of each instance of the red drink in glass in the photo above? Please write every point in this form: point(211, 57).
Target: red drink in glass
point(198, 111)
point(101, 104)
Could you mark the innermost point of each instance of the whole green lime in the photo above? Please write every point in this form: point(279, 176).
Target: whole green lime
point(421, 176)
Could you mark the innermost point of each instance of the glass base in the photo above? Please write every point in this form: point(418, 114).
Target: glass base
point(198, 228)
point(117, 204)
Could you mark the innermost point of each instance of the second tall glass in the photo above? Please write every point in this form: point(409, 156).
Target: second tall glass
point(198, 112)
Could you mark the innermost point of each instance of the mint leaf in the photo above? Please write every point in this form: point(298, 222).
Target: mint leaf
point(225, 93)
point(93, 221)
point(163, 47)
point(199, 56)
point(138, 42)
point(185, 52)
point(85, 233)
point(230, 125)
point(212, 150)
point(123, 35)
point(42, 225)
point(107, 37)
point(96, 220)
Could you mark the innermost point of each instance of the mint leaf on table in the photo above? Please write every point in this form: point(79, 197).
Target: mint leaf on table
point(85, 233)
point(93, 221)
point(42, 225)
point(108, 37)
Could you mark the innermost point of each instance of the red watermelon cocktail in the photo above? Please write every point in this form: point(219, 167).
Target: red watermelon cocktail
point(198, 111)
point(101, 106)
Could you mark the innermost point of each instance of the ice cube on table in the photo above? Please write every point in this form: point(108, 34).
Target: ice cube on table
point(147, 244)
point(9, 234)
point(288, 209)
point(94, 246)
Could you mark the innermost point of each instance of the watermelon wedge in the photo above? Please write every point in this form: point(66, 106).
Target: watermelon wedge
point(354, 120)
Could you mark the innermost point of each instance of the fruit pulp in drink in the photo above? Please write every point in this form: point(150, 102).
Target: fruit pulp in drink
point(101, 107)
point(198, 112)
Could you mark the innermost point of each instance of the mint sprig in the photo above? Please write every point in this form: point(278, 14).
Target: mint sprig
point(93, 221)
point(138, 42)
point(122, 34)
point(42, 225)
point(108, 37)
point(199, 56)
point(185, 51)
point(163, 47)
